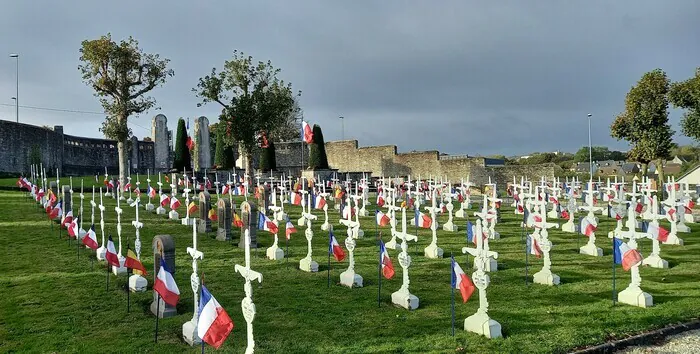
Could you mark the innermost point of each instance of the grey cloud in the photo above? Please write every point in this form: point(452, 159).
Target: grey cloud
point(507, 77)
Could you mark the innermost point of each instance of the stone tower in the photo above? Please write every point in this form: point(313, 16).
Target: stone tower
point(202, 149)
point(161, 143)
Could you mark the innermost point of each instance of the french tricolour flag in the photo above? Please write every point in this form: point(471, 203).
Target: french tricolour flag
point(588, 227)
point(380, 200)
point(658, 232)
point(174, 203)
point(111, 254)
point(56, 211)
point(165, 285)
point(423, 220)
point(319, 202)
point(461, 281)
point(385, 261)
point(264, 223)
point(533, 247)
point(295, 198)
point(225, 190)
point(290, 229)
point(214, 323)
point(151, 192)
point(67, 219)
point(90, 238)
point(335, 249)
point(307, 135)
point(164, 200)
point(625, 255)
point(382, 219)
point(73, 228)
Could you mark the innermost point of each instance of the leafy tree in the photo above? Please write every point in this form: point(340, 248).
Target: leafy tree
point(35, 155)
point(289, 129)
point(644, 123)
point(686, 95)
point(253, 98)
point(268, 161)
point(223, 158)
point(182, 152)
point(317, 150)
point(121, 75)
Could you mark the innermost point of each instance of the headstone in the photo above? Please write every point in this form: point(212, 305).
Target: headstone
point(203, 150)
point(189, 328)
point(249, 216)
point(54, 188)
point(541, 236)
point(654, 259)
point(161, 142)
point(163, 247)
point(480, 322)
point(223, 210)
point(67, 200)
point(307, 264)
point(433, 250)
point(403, 296)
point(265, 194)
point(204, 223)
point(633, 294)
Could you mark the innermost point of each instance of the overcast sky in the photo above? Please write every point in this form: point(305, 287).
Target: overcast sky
point(462, 77)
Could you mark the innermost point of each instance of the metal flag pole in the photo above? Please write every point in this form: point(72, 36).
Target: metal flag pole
point(379, 273)
point(157, 315)
point(613, 270)
point(330, 245)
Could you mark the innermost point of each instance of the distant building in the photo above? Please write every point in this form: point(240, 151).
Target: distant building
point(691, 177)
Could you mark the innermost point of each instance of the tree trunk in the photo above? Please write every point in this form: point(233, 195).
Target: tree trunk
point(123, 168)
point(660, 171)
point(645, 169)
point(249, 168)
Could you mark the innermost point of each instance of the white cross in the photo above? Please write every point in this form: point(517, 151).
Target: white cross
point(247, 304)
point(481, 256)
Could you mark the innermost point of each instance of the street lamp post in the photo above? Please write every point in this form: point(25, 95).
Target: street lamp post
point(590, 147)
point(16, 56)
point(342, 127)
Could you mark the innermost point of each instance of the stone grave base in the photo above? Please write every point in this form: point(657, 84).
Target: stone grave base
point(403, 298)
point(301, 221)
point(450, 226)
point(188, 221)
point(129, 201)
point(461, 213)
point(591, 249)
point(137, 283)
point(350, 279)
point(363, 212)
point(308, 265)
point(101, 253)
point(202, 226)
point(119, 270)
point(274, 253)
point(635, 297)
point(673, 240)
point(108, 194)
point(568, 227)
point(122, 198)
point(81, 234)
point(480, 323)
point(358, 233)
point(160, 211)
point(682, 228)
point(433, 251)
point(336, 206)
point(655, 261)
point(173, 215)
point(490, 266)
point(281, 216)
point(413, 221)
point(164, 311)
point(325, 226)
point(150, 207)
point(494, 235)
point(189, 333)
point(689, 218)
point(552, 214)
point(545, 277)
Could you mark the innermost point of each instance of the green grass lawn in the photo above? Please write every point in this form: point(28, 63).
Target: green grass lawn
point(54, 301)
point(89, 181)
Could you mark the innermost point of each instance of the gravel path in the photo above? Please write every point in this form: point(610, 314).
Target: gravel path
point(688, 342)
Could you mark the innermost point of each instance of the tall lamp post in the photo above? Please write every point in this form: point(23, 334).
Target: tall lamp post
point(342, 127)
point(16, 56)
point(590, 147)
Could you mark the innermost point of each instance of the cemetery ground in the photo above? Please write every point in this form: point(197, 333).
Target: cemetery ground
point(54, 299)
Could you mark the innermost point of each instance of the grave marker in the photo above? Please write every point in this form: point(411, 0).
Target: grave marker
point(163, 247)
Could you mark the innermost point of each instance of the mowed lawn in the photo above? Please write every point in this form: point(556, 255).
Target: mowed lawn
point(55, 300)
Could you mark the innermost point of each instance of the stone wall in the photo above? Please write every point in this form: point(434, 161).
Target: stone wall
point(288, 156)
point(346, 156)
point(72, 155)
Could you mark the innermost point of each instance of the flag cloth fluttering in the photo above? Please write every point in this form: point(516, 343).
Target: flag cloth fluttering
point(387, 266)
point(335, 249)
point(165, 285)
point(214, 323)
point(132, 262)
point(625, 255)
point(461, 281)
